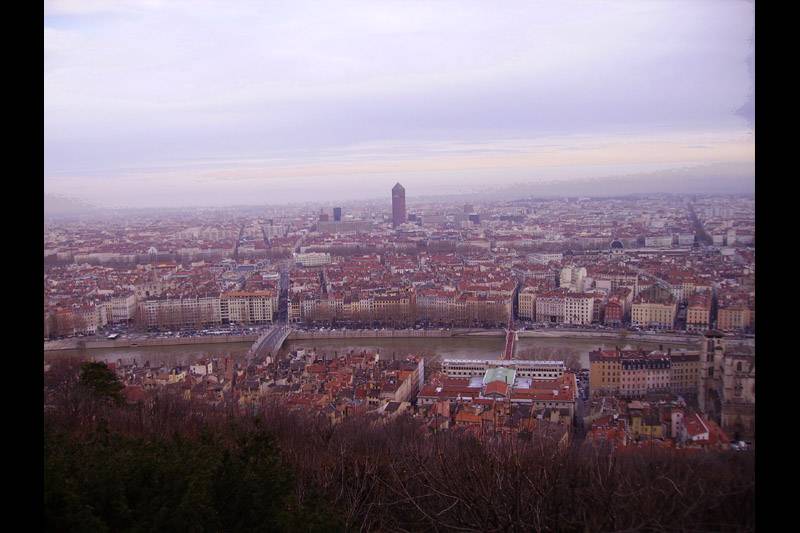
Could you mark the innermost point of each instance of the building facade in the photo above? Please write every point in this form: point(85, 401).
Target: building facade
point(578, 309)
point(727, 387)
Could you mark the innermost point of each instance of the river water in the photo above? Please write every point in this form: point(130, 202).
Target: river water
point(430, 348)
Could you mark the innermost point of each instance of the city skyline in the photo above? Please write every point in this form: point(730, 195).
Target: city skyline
point(140, 113)
point(399, 265)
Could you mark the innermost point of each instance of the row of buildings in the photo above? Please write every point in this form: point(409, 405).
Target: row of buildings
point(720, 378)
point(658, 421)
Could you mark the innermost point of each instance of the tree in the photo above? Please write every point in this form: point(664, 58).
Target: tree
point(100, 382)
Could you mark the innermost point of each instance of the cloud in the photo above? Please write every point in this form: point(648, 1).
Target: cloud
point(93, 7)
point(446, 166)
point(259, 91)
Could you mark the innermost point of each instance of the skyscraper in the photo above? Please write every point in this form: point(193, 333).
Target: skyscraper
point(337, 214)
point(398, 205)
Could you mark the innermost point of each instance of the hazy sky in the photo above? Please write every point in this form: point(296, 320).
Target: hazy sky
point(151, 103)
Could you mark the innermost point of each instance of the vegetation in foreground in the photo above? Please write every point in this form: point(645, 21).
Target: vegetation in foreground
point(178, 466)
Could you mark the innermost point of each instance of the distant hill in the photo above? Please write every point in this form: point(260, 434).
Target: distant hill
point(56, 205)
point(720, 178)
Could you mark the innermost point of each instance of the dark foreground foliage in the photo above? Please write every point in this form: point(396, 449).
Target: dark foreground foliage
point(175, 466)
point(229, 479)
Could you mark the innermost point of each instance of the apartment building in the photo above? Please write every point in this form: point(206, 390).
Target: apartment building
point(605, 371)
point(578, 309)
point(635, 373)
point(248, 307)
point(121, 308)
point(179, 313)
point(310, 259)
point(640, 375)
point(684, 373)
point(614, 312)
point(550, 307)
point(654, 308)
point(526, 303)
point(735, 316)
point(698, 312)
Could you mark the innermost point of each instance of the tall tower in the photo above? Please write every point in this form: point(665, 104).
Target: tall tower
point(337, 214)
point(398, 205)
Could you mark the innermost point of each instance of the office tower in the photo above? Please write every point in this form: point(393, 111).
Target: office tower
point(398, 205)
point(337, 214)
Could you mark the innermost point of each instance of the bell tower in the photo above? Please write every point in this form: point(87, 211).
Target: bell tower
point(709, 384)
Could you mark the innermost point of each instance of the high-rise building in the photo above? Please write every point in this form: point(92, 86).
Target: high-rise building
point(398, 205)
point(337, 214)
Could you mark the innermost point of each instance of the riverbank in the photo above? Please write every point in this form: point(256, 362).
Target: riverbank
point(624, 337)
point(82, 344)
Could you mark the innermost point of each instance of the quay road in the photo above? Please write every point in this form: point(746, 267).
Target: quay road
point(300, 332)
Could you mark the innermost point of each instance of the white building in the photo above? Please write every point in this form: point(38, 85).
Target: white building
point(464, 368)
point(313, 258)
point(578, 309)
point(658, 241)
point(545, 258)
point(121, 308)
point(573, 278)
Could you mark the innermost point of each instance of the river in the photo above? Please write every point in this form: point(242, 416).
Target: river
point(431, 348)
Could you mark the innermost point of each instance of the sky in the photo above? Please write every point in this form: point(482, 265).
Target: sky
point(178, 103)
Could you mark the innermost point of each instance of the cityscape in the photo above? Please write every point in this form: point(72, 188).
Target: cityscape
point(406, 355)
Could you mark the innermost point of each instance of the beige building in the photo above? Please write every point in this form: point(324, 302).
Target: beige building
point(633, 373)
point(526, 307)
point(439, 306)
point(177, 313)
point(684, 372)
point(248, 307)
point(121, 308)
point(654, 308)
point(698, 313)
point(653, 315)
point(734, 316)
point(604, 372)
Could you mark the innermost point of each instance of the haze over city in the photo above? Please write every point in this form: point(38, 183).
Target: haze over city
point(152, 104)
point(387, 265)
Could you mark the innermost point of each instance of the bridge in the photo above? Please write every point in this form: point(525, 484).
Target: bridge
point(511, 337)
point(269, 342)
